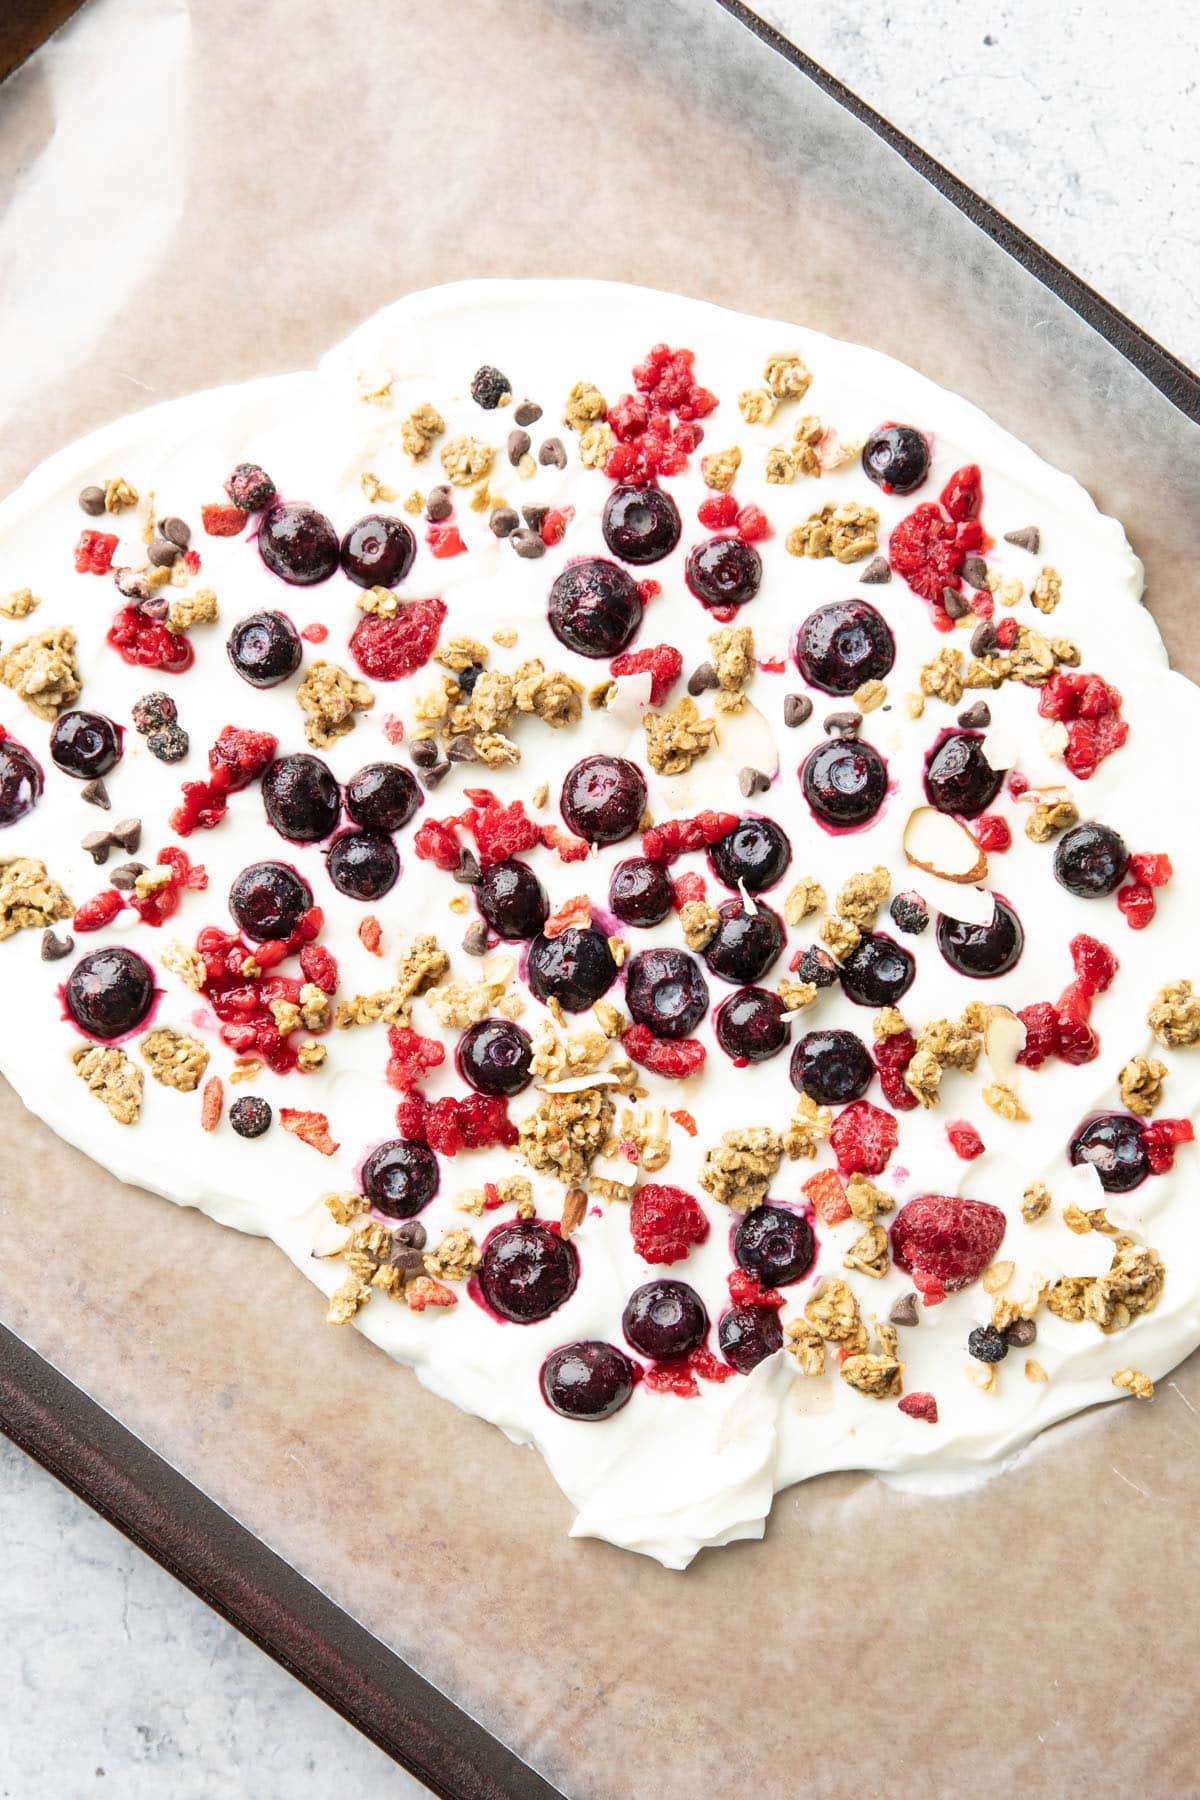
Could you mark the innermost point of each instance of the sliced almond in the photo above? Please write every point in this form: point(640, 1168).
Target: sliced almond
point(1003, 1040)
point(746, 740)
point(940, 845)
point(574, 1212)
point(958, 900)
point(628, 697)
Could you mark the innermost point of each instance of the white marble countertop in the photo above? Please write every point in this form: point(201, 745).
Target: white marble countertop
point(1078, 122)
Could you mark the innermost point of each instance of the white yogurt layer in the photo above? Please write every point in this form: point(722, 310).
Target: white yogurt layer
point(664, 1476)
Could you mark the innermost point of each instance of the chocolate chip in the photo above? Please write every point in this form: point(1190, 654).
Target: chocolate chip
point(975, 571)
point(504, 521)
point(534, 515)
point(125, 875)
point(904, 1312)
point(96, 794)
point(1028, 538)
point(984, 641)
point(552, 455)
point(797, 710)
point(752, 781)
point(528, 413)
point(703, 679)
point(955, 604)
point(843, 724)
point(127, 833)
point(977, 717)
point(518, 446)
point(162, 553)
point(876, 571)
point(527, 543)
point(92, 501)
point(461, 748)
point(439, 505)
point(176, 531)
point(435, 774)
point(424, 752)
point(1020, 1333)
point(468, 868)
point(169, 743)
point(412, 1235)
point(97, 844)
point(409, 1262)
point(54, 948)
point(133, 583)
point(475, 939)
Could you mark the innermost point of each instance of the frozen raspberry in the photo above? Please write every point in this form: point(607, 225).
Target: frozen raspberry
point(892, 1056)
point(1095, 964)
point(863, 1139)
point(827, 1194)
point(965, 1141)
point(676, 1059)
point(99, 911)
point(499, 831)
point(718, 512)
point(962, 495)
point(745, 1289)
point(919, 1406)
point(663, 663)
point(1151, 870)
point(222, 521)
point(163, 903)
point(1138, 904)
point(945, 1242)
point(1160, 1137)
point(410, 1117)
point(436, 841)
point(752, 524)
point(687, 887)
point(665, 1223)
point(388, 649)
point(146, 644)
point(992, 832)
point(244, 753)
point(320, 967)
point(94, 552)
point(412, 1056)
point(895, 1091)
point(925, 550)
point(1076, 1042)
point(1041, 1034)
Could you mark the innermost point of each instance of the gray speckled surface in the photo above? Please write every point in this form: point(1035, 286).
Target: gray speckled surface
point(1075, 120)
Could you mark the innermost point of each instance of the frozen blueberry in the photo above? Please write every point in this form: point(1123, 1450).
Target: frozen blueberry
point(640, 525)
point(489, 388)
point(724, 571)
point(831, 1067)
point(751, 1026)
point(982, 951)
point(588, 1380)
point(666, 992)
point(268, 900)
point(302, 800)
point(85, 744)
point(665, 1319)
point(844, 644)
point(363, 865)
point(495, 1057)
point(382, 796)
point(640, 891)
point(298, 543)
point(1090, 860)
point(595, 607)
point(512, 900)
point(603, 799)
point(378, 551)
point(844, 782)
point(958, 777)
point(400, 1177)
point(1115, 1145)
point(896, 458)
point(20, 781)
point(264, 648)
point(527, 1271)
point(109, 992)
point(748, 1335)
point(755, 853)
point(576, 968)
point(877, 971)
point(774, 1244)
point(746, 943)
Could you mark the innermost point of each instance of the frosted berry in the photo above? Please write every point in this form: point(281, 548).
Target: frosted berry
point(755, 853)
point(664, 1319)
point(1090, 860)
point(85, 744)
point(725, 571)
point(363, 865)
point(640, 891)
point(958, 777)
point(20, 781)
point(666, 992)
point(250, 1116)
point(878, 971)
point(382, 796)
point(746, 943)
point(495, 1057)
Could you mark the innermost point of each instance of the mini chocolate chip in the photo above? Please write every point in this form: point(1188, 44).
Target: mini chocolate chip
point(92, 501)
point(984, 641)
point(552, 455)
point(97, 844)
point(176, 531)
point(409, 1262)
point(528, 413)
point(475, 939)
point(703, 679)
point(518, 446)
point(162, 553)
point(904, 1312)
point(504, 521)
point(797, 710)
point(169, 743)
point(435, 774)
point(843, 724)
point(1020, 1333)
point(977, 717)
point(424, 752)
point(1028, 538)
point(128, 833)
point(876, 571)
point(468, 868)
point(534, 515)
point(125, 875)
point(975, 571)
point(439, 505)
point(955, 604)
point(527, 543)
point(411, 1234)
point(752, 781)
point(54, 948)
point(133, 583)
point(96, 794)
point(461, 748)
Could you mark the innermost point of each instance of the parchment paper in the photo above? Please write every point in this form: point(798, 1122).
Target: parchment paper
point(198, 195)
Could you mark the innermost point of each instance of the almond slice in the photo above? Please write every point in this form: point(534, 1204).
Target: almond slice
point(1003, 1041)
point(940, 845)
point(746, 740)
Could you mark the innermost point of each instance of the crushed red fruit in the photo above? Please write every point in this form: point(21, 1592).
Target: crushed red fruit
point(687, 887)
point(745, 1289)
point(928, 548)
point(919, 1406)
point(679, 1377)
point(436, 841)
point(663, 843)
point(827, 1196)
point(752, 524)
point(320, 967)
point(1091, 710)
point(1161, 1138)
point(236, 759)
point(1151, 869)
point(412, 1056)
point(223, 521)
point(665, 1222)
point(992, 832)
point(718, 512)
point(662, 662)
point(945, 1242)
point(576, 911)
point(965, 1141)
point(648, 444)
point(892, 1057)
point(567, 847)
point(389, 649)
point(94, 552)
point(674, 1058)
point(685, 1121)
point(163, 902)
point(962, 496)
point(555, 523)
point(1094, 963)
point(147, 644)
point(499, 831)
point(315, 633)
point(99, 911)
point(445, 539)
point(310, 1127)
point(1041, 1034)
point(479, 1122)
point(239, 988)
point(863, 1139)
point(1138, 904)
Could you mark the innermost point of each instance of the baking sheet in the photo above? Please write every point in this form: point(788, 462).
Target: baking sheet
point(279, 177)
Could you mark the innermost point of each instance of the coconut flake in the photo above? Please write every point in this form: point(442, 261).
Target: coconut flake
point(746, 740)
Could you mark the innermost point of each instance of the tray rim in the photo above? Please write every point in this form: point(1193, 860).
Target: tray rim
point(167, 1516)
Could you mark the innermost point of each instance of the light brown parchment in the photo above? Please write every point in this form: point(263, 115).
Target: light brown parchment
point(202, 195)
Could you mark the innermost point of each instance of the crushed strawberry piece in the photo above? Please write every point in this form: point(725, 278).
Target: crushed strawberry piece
point(672, 1378)
point(685, 1121)
point(718, 512)
point(316, 633)
point(1138, 904)
point(1094, 963)
point(94, 552)
point(320, 967)
point(312, 1128)
point(648, 443)
point(445, 539)
point(389, 649)
point(663, 663)
point(745, 1289)
point(687, 887)
point(665, 1222)
point(983, 605)
point(663, 843)
point(223, 521)
point(1161, 1138)
point(772, 665)
point(99, 911)
point(962, 496)
point(708, 1366)
point(945, 1242)
point(992, 832)
point(211, 1102)
point(919, 1406)
point(863, 1139)
point(163, 903)
point(1091, 710)
point(424, 1291)
point(555, 523)
point(676, 1058)
point(147, 644)
point(1151, 869)
point(565, 845)
point(573, 912)
point(965, 1141)
point(370, 934)
point(827, 1196)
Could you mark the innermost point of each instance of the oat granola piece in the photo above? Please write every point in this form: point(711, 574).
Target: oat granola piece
point(419, 431)
point(596, 445)
point(866, 1200)
point(460, 654)
point(833, 1312)
point(846, 532)
point(1034, 1371)
point(806, 441)
point(942, 677)
point(330, 696)
point(1141, 1084)
point(549, 694)
point(805, 1343)
point(199, 608)
point(840, 936)
point(175, 1060)
point(113, 1079)
point(19, 604)
point(1137, 1383)
point(1049, 817)
point(861, 897)
point(380, 602)
point(1032, 658)
point(189, 965)
point(311, 1056)
point(781, 466)
point(700, 921)
point(805, 897)
point(1047, 590)
point(732, 655)
point(738, 1171)
point(677, 738)
point(1036, 1202)
point(456, 1257)
point(1174, 1018)
point(810, 1125)
point(720, 469)
point(585, 405)
point(796, 995)
point(923, 1077)
point(956, 1043)
point(420, 967)
point(466, 460)
point(786, 376)
point(565, 1132)
point(645, 1127)
point(869, 1254)
point(344, 1208)
point(29, 898)
point(1131, 1287)
point(376, 490)
point(879, 1377)
point(1004, 1102)
point(757, 406)
point(43, 671)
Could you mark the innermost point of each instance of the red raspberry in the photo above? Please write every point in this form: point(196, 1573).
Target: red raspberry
point(191, 561)
point(244, 753)
point(1138, 904)
point(387, 649)
point(687, 887)
point(1161, 1136)
point(1095, 964)
point(445, 539)
point(566, 847)
point(499, 831)
point(863, 1139)
point(320, 967)
point(441, 1126)
point(672, 1378)
point(709, 1366)
point(746, 1289)
point(923, 549)
point(675, 1059)
point(718, 512)
point(1017, 784)
point(222, 521)
point(1152, 870)
point(895, 1052)
point(94, 552)
point(555, 523)
point(962, 495)
point(410, 1117)
point(992, 832)
point(629, 417)
point(1041, 1034)
point(983, 606)
point(99, 911)
point(945, 1242)
point(827, 1196)
point(663, 663)
point(665, 1222)
point(483, 1121)
point(1077, 1042)
point(752, 524)
point(919, 1406)
point(1006, 633)
point(412, 1055)
point(435, 841)
point(965, 1141)
point(163, 903)
point(147, 644)
point(895, 1091)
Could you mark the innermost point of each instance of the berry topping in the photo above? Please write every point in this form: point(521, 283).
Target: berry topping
point(831, 1067)
point(724, 571)
point(1094, 964)
point(748, 1335)
point(250, 1116)
point(965, 1141)
point(576, 969)
point(896, 458)
point(774, 1244)
point(490, 388)
point(589, 1380)
point(982, 951)
point(20, 781)
point(909, 913)
point(363, 865)
point(268, 900)
point(877, 971)
point(250, 488)
point(666, 992)
point(389, 649)
point(595, 607)
point(674, 1059)
point(751, 1026)
point(662, 662)
point(1090, 861)
point(920, 1405)
point(1091, 711)
point(511, 899)
point(152, 712)
point(641, 524)
point(665, 1223)
point(85, 744)
point(986, 1344)
point(382, 797)
point(109, 992)
point(842, 645)
point(527, 1271)
point(495, 1057)
point(302, 800)
point(640, 891)
point(603, 799)
point(1115, 1145)
point(745, 944)
point(753, 854)
point(400, 1177)
point(264, 648)
point(94, 552)
point(944, 1242)
point(297, 543)
point(665, 1319)
point(844, 782)
point(863, 1139)
point(146, 644)
point(958, 777)
point(378, 551)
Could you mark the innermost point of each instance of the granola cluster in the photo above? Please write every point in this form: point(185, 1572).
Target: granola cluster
point(44, 671)
point(29, 898)
point(329, 696)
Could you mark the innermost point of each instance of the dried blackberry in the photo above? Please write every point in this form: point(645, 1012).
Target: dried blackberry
point(987, 1345)
point(153, 711)
point(909, 913)
point(250, 1116)
point(489, 387)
